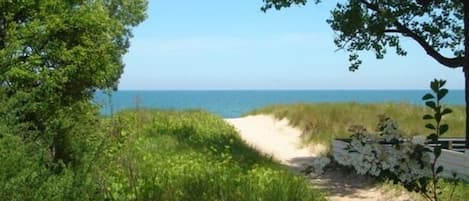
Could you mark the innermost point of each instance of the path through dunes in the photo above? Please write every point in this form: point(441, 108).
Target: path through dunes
point(283, 143)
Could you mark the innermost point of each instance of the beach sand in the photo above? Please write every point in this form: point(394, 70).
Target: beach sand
point(282, 142)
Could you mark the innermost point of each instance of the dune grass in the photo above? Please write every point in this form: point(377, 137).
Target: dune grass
point(192, 155)
point(322, 122)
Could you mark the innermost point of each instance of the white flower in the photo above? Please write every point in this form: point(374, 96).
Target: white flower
point(419, 140)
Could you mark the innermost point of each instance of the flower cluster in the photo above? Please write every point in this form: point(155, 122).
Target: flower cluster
point(403, 159)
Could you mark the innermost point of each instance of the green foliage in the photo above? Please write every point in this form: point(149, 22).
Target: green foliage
point(430, 189)
point(451, 191)
point(364, 25)
point(190, 156)
point(25, 174)
point(279, 4)
point(322, 122)
point(151, 155)
point(54, 55)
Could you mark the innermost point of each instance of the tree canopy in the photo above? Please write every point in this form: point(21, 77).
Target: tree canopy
point(54, 55)
point(370, 25)
point(440, 27)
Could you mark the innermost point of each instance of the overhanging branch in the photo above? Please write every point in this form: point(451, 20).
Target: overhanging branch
point(405, 31)
point(449, 62)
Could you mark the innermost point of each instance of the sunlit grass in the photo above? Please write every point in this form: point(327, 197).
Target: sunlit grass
point(322, 122)
point(193, 155)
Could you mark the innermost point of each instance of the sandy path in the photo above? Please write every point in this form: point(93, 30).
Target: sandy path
point(282, 142)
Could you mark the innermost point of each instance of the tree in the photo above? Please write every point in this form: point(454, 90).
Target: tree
point(438, 26)
point(54, 54)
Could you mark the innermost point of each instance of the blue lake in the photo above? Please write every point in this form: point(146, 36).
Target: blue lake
point(235, 103)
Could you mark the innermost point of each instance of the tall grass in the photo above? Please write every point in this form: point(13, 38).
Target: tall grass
point(191, 155)
point(323, 122)
point(151, 155)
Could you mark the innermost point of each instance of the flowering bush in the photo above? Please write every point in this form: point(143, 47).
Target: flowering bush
point(407, 161)
point(401, 159)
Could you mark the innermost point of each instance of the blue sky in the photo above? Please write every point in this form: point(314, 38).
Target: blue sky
point(227, 45)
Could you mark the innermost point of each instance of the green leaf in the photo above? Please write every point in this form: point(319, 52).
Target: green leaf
point(434, 85)
point(427, 117)
point(442, 93)
point(431, 104)
point(433, 137)
point(437, 151)
point(430, 126)
point(439, 169)
point(428, 96)
point(446, 111)
point(437, 116)
point(443, 128)
point(442, 83)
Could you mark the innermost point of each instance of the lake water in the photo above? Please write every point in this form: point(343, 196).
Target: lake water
point(235, 103)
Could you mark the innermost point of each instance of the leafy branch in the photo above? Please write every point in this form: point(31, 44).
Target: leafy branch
point(433, 101)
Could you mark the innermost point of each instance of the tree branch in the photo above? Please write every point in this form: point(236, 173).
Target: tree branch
point(454, 62)
point(391, 31)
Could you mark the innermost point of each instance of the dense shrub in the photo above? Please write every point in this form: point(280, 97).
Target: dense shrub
point(25, 175)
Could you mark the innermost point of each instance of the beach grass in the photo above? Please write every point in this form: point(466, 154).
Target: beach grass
point(192, 155)
point(449, 191)
point(322, 122)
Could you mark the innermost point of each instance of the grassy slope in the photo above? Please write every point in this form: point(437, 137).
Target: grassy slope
point(324, 121)
point(192, 156)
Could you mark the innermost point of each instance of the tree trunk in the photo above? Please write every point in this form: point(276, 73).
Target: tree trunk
point(466, 80)
point(466, 68)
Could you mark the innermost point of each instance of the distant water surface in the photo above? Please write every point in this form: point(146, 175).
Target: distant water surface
point(229, 104)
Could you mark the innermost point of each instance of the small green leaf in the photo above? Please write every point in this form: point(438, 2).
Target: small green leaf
point(439, 169)
point(434, 85)
point(428, 96)
point(442, 83)
point(437, 151)
point(443, 128)
point(442, 93)
point(446, 111)
point(431, 104)
point(430, 126)
point(437, 116)
point(427, 117)
point(433, 137)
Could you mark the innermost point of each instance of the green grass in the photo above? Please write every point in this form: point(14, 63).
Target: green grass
point(192, 155)
point(460, 192)
point(150, 155)
point(323, 122)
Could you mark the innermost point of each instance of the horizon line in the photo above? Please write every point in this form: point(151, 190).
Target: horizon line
point(457, 89)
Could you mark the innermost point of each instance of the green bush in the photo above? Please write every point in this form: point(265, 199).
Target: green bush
point(25, 175)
